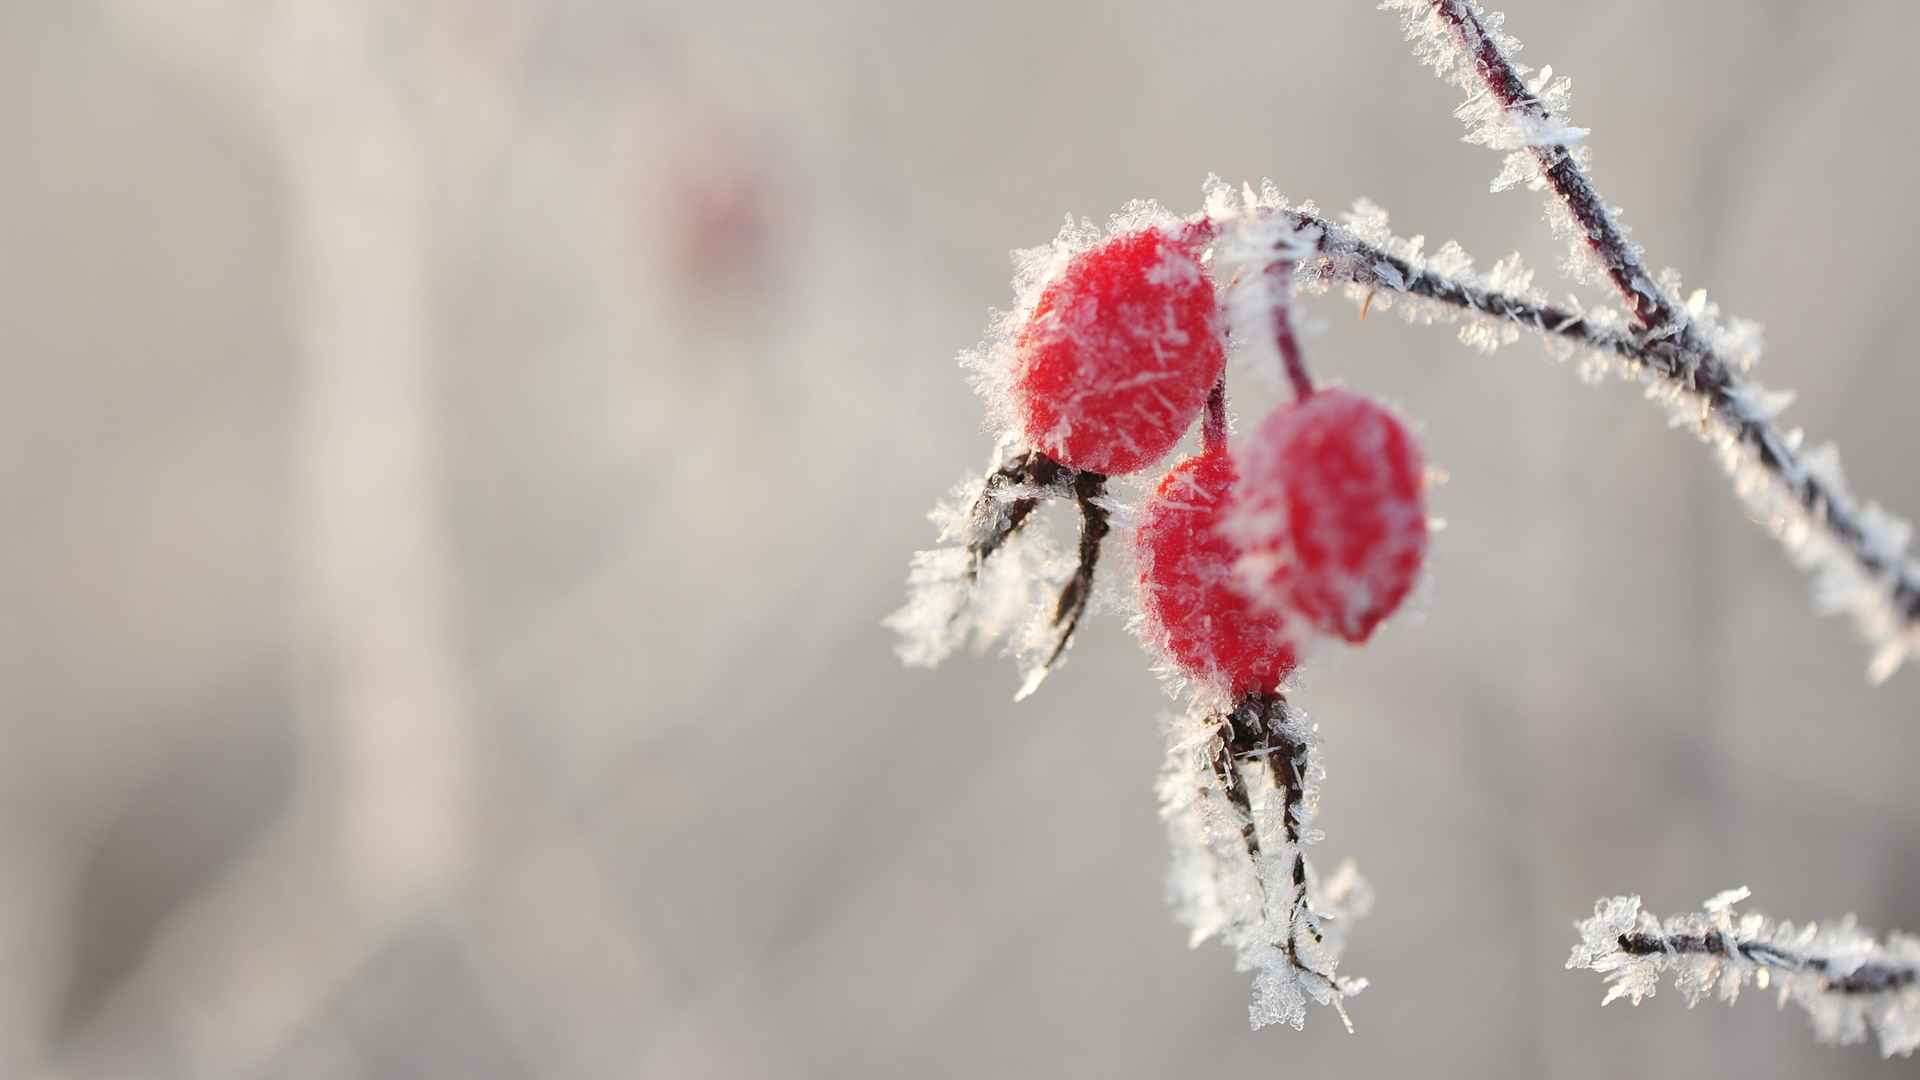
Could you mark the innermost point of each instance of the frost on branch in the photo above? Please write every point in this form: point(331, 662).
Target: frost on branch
point(1849, 984)
point(1238, 793)
point(1511, 108)
point(1686, 357)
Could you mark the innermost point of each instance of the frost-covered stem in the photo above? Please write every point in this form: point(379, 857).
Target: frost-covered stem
point(1348, 258)
point(1283, 336)
point(1563, 174)
point(1869, 978)
point(1227, 770)
point(1238, 793)
point(1851, 984)
point(1700, 369)
point(1731, 409)
point(1681, 359)
point(1256, 732)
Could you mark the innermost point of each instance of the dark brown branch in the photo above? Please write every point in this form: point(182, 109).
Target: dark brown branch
point(1865, 979)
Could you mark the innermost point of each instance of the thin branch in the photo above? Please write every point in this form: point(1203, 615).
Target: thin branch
point(1859, 549)
point(1259, 730)
point(1869, 978)
point(1283, 337)
point(1684, 362)
point(1851, 985)
point(1569, 182)
point(1238, 795)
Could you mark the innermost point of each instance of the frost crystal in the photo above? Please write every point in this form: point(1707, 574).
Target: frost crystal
point(1238, 793)
point(1849, 984)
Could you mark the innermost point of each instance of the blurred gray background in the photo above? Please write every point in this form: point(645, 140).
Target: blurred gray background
point(455, 456)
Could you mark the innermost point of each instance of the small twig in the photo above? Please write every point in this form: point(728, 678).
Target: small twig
point(1681, 359)
point(1869, 978)
point(1675, 347)
point(1234, 786)
point(1283, 337)
point(1650, 307)
point(1255, 731)
point(1851, 984)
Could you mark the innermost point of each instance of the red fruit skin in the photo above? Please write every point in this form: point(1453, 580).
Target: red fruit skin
point(1119, 353)
point(1195, 609)
point(1332, 512)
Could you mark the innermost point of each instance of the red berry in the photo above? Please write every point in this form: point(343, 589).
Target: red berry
point(1195, 609)
point(1119, 353)
point(1332, 512)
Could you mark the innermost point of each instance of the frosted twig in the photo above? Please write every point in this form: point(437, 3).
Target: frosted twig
point(1849, 983)
point(1283, 338)
point(1858, 550)
point(1487, 63)
point(1238, 794)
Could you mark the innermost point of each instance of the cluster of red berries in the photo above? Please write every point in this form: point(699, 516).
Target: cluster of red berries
point(1317, 526)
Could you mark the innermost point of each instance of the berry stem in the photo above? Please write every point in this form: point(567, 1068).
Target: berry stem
point(1283, 336)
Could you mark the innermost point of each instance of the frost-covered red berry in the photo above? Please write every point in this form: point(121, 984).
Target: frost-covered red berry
point(1331, 512)
point(1195, 610)
point(1119, 353)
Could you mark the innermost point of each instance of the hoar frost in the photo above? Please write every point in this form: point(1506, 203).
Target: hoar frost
point(1238, 793)
point(1857, 553)
point(1850, 985)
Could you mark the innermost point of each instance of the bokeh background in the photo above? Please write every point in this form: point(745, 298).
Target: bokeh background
point(455, 456)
